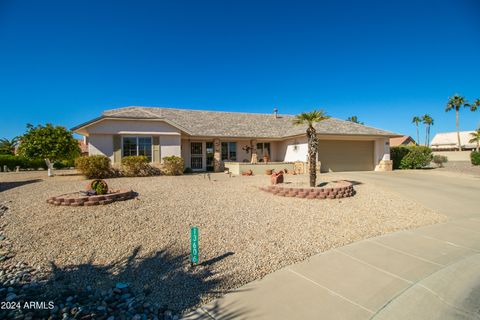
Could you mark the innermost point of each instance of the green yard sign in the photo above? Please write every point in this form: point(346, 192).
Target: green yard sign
point(194, 245)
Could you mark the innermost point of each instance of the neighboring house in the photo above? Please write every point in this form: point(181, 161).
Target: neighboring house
point(448, 141)
point(402, 141)
point(208, 139)
point(83, 145)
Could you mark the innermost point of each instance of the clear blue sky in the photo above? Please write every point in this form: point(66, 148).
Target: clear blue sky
point(65, 61)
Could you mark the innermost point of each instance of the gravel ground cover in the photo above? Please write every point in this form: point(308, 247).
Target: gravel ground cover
point(244, 233)
point(460, 167)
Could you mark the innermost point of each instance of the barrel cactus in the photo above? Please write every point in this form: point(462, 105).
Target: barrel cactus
point(99, 186)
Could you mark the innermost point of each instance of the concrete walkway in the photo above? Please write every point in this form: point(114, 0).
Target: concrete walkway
point(429, 273)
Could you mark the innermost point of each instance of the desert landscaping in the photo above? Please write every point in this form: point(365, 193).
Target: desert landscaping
point(244, 233)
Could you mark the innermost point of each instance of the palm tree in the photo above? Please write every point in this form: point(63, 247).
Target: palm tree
point(475, 138)
point(310, 119)
point(474, 106)
point(7, 146)
point(427, 121)
point(455, 103)
point(354, 119)
point(417, 120)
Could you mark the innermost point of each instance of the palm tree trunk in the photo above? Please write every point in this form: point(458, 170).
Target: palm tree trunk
point(312, 155)
point(458, 131)
point(426, 135)
point(418, 136)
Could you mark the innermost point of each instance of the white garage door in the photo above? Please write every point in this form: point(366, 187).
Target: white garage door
point(340, 155)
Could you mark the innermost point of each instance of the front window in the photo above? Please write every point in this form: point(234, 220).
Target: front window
point(137, 146)
point(229, 151)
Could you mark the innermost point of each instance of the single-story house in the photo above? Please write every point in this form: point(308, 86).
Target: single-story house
point(208, 140)
point(448, 141)
point(402, 141)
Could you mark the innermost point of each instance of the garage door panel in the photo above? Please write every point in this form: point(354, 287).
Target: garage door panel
point(344, 155)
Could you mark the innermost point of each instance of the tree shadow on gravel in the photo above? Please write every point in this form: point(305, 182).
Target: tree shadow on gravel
point(4, 186)
point(163, 278)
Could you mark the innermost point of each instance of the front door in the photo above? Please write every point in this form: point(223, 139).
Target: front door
point(209, 154)
point(196, 156)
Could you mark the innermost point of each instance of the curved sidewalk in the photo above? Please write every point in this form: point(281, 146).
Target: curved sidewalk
point(429, 273)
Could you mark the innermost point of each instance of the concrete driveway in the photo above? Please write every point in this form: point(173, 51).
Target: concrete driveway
point(455, 195)
point(429, 273)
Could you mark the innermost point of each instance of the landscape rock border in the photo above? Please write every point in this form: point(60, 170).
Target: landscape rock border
point(342, 189)
point(66, 200)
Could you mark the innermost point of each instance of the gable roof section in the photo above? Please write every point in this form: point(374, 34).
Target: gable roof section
point(236, 124)
point(401, 140)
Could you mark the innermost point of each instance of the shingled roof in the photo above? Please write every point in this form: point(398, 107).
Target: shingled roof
point(237, 124)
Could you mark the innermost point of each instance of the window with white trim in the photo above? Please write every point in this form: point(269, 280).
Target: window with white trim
point(137, 146)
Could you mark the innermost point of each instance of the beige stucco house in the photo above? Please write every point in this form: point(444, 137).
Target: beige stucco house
point(210, 140)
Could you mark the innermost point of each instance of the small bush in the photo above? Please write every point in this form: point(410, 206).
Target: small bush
point(410, 157)
point(10, 161)
point(188, 170)
point(418, 157)
point(100, 186)
point(173, 166)
point(134, 166)
point(475, 158)
point(35, 164)
point(439, 160)
point(94, 167)
point(64, 164)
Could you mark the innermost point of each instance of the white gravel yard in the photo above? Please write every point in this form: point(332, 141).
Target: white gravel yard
point(244, 233)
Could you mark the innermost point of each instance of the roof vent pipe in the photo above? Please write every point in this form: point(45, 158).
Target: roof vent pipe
point(275, 112)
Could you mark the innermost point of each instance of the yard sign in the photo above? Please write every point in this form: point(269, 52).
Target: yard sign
point(194, 245)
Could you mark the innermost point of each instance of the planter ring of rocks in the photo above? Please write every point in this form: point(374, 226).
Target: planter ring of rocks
point(92, 197)
point(341, 189)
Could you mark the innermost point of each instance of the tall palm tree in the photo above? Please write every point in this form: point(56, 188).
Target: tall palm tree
point(310, 119)
point(474, 106)
point(354, 119)
point(427, 121)
point(456, 103)
point(417, 120)
point(475, 138)
point(7, 146)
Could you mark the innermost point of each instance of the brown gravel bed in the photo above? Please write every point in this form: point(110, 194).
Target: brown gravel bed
point(464, 167)
point(244, 233)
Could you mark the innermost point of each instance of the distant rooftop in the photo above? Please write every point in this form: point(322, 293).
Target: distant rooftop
point(404, 140)
point(449, 140)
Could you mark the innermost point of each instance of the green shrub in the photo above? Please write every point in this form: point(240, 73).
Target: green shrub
point(35, 164)
point(173, 166)
point(100, 186)
point(397, 154)
point(10, 161)
point(135, 166)
point(13, 161)
point(94, 167)
point(64, 164)
point(475, 158)
point(410, 157)
point(418, 157)
point(439, 160)
point(188, 170)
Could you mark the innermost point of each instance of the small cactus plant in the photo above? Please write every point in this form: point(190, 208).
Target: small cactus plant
point(99, 186)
